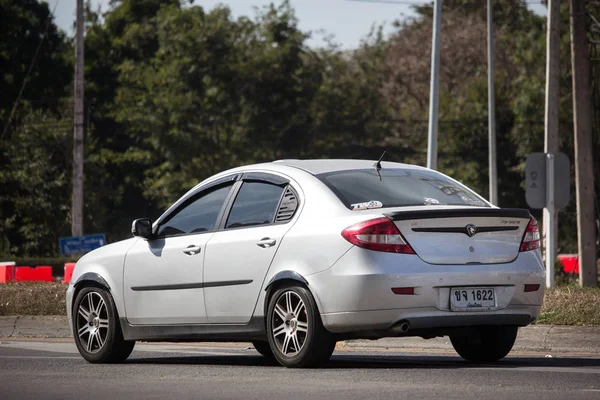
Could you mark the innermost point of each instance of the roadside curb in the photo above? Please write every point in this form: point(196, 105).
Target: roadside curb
point(534, 338)
point(33, 326)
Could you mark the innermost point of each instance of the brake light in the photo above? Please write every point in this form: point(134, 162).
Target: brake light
point(531, 238)
point(378, 234)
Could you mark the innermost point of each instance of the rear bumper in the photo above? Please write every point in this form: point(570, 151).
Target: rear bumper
point(422, 319)
point(355, 294)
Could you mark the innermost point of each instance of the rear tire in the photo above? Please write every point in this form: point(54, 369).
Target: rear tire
point(296, 334)
point(485, 344)
point(96, 327)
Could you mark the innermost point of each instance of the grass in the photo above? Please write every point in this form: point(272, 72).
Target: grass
point(564, 305)
point(33, 298)
point(571, 305)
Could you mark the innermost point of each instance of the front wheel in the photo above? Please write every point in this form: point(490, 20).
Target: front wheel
point(96, 327)
point(296, 334)
point(485, 344)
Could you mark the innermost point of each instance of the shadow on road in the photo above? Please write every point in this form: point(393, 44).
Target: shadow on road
point(375, 362)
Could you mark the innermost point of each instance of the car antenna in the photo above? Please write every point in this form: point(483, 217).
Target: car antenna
point(377, 165)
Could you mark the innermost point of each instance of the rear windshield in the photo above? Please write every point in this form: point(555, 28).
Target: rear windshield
point(365, 188)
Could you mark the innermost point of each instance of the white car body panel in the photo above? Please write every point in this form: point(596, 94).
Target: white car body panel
point(448, 248)
point(106, 262)
point(163, 263)
point(351, 285)
point(249, 262)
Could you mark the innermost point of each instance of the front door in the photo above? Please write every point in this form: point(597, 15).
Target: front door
point(163, 276)
point(238, 257)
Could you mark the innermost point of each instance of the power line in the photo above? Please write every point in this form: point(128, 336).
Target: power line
point(16, 103)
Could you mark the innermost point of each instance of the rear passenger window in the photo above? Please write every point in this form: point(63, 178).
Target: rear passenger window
point(256, 204)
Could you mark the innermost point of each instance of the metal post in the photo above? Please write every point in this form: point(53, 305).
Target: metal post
point(491, 109)
point(77, 211)
point(434, 87)
point(550, 225)
point(550, 239)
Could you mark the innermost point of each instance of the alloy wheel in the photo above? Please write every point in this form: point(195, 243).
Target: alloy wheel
point(92, 322)
point(290, 323)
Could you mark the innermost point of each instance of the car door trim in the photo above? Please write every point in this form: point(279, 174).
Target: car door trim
point(253, 330)
point(183, 286)
point(265, 177)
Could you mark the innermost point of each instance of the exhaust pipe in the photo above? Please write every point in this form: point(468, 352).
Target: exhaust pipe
point(403, 326)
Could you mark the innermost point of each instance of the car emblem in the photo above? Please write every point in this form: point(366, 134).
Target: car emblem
point(471, 230)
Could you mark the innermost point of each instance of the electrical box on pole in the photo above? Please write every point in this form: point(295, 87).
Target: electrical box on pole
point(548, 186)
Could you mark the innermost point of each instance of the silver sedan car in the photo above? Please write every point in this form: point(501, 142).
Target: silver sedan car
point(295, 255)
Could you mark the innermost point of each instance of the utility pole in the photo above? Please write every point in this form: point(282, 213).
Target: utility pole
point(491, 109)
point(550, 215)
point(77, 211)
point(434, 86)
point(584, 169)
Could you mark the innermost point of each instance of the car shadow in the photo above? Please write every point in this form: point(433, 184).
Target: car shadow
point(345, 361)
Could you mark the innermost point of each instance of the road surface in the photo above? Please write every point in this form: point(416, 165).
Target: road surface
point(53, 369)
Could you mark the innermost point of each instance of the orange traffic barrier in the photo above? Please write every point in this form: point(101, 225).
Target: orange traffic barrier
point(23, 274)
point(6, 273)
point(39, 274)
point(68, 272)
point(42, 273)
point(570, 263)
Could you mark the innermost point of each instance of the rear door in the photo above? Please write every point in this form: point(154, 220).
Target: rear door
point(238, 256)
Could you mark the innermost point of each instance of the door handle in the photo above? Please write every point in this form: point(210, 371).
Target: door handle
point(266, 242)
point(192, 249)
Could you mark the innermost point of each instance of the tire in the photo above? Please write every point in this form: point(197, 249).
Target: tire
point(96, 327)
point(264, 349)
point(296, 334)
point(485, 344)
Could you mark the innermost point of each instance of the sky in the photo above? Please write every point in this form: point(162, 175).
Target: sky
point(348, 21)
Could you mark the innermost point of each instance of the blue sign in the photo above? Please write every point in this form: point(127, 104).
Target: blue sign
point(81, 244)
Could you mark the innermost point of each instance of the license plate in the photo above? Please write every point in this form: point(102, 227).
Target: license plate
point(472, 298)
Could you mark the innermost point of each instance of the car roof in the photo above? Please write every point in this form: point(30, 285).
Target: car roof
point(322, 166)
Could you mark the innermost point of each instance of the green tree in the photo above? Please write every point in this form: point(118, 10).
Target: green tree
point(35, 56)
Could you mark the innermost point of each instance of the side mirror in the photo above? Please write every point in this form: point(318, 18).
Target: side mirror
point(142, 227)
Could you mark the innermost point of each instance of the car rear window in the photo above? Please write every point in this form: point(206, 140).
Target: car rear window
point(365, 188)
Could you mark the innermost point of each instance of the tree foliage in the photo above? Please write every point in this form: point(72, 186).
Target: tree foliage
point(176, 93)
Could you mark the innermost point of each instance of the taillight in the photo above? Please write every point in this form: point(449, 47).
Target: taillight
point(531, 238)
point(377, 234)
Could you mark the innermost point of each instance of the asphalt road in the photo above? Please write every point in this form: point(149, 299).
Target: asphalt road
point(53, 370)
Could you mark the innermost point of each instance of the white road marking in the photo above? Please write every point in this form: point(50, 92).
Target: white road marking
point(578, 370)
point(39, 357)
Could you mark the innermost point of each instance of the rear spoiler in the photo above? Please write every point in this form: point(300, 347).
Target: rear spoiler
point(460, 212)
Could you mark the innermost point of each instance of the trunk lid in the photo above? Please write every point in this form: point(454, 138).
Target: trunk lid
point(465, 235)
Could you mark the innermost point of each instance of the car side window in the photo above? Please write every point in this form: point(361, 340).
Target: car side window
point(198, 215)
point(255, 204)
